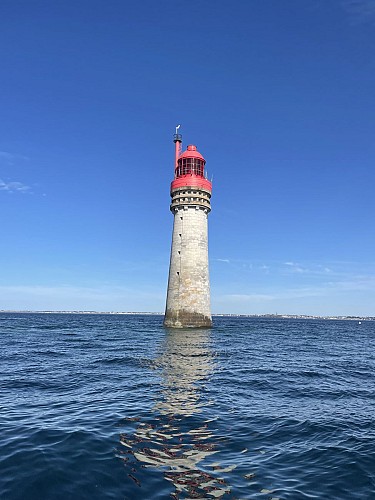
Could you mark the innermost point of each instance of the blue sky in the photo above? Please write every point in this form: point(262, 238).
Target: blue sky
point(278, 97)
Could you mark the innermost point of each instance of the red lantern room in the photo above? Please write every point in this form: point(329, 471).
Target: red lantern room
point(189, 167)
point(190, 162)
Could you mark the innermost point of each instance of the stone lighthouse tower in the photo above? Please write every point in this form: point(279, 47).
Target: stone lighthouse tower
point(188, 296)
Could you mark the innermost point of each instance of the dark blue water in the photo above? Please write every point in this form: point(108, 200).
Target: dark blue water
point(115, 407)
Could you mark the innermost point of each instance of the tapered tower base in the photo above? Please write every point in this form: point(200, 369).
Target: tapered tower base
point(186, 319)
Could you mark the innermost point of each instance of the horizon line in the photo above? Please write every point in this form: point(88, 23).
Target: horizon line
point(154, 313)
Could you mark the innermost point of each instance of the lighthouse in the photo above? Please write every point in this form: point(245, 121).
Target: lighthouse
point(188, 295)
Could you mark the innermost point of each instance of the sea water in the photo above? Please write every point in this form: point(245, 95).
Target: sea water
point(117, 407)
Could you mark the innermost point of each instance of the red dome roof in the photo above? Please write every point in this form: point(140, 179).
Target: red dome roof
point(191, 152)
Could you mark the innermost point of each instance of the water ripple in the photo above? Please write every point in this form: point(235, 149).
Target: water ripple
point(109, 406)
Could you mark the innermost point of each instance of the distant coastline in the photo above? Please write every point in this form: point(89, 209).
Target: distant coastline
point(270, 316)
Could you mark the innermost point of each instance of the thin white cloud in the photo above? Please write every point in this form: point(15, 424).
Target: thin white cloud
point(282, 268)
point(355, 283)
point(360, 283)
point(14, 187)
point(317, 288)
point(295, 267)
point(291, 293)
point(250, 297)
point(80, 298)
point(360, 11)
point(4, 155)
point(11, 158)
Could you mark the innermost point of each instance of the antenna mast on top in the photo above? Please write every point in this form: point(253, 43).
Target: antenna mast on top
point(177, 139)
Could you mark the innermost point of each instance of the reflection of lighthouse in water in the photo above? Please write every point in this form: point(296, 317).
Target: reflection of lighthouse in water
point(176, 439)
point(185, 361)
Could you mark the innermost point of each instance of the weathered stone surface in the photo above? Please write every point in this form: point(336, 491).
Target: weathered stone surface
point(186, 319)
point(188, 297)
